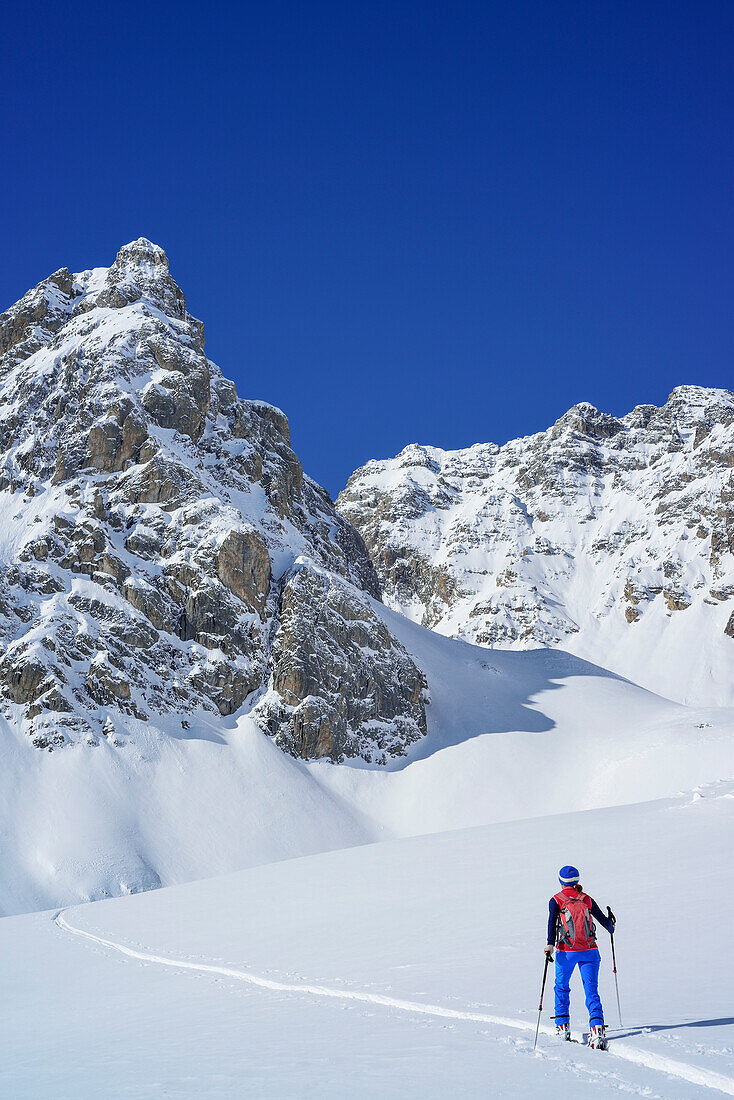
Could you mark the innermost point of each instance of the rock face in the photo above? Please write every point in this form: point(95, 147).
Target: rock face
point(337, 671)
point(150, 525)
point(613, 538)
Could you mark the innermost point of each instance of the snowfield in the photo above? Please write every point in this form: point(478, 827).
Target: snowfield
point(405, 968)
point(397, 965)
point(510, 735)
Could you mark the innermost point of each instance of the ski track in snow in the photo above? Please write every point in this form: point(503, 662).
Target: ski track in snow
point(693, 1074)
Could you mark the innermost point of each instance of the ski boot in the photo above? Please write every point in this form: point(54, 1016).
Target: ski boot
point(563, 1032)
point(598, 1037)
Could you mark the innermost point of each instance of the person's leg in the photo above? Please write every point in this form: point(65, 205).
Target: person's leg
point(589, 962)
point(565, 963)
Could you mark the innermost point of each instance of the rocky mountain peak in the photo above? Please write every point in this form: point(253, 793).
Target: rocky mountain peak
point(586, 419)
point(612, 537)
point(692, 406)
point(415, 455)
point(164, 556)
point(141, 270)
point(700, 397)
point(142, 254)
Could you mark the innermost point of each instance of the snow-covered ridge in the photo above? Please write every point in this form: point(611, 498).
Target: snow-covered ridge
point(612, 537)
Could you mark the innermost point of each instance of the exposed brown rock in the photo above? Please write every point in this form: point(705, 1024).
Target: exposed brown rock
point(676, 599)
point(109, 687)
point(51, 700)
point(243, 565)
point(115, 442)
point(161, 481)
point(180, 402)
point(42, 308)
point(336, 667)
point(154, 604)
point(23, 677)
point(227, 685)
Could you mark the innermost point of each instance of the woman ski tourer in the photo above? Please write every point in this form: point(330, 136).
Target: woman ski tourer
point(571, 930)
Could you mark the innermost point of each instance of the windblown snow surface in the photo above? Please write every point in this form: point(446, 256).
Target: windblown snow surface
point(407, 962)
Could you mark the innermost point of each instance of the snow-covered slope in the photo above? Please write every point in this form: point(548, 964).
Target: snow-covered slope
point(510, 735)
point(613, 538)
point(519, 734)
point(159, 809)
point(408, 968)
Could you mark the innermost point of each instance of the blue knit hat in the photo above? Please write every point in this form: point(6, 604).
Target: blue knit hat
point(568, 875)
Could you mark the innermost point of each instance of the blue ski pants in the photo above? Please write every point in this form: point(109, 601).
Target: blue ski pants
point(588, 964)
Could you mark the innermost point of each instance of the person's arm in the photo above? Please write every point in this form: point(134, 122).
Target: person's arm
point(552, 919)
point(603, 919)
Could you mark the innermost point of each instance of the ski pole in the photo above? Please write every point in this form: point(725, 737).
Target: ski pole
point(613, 919)
point(540, 1006)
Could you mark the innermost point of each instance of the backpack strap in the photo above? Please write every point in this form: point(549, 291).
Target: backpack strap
point(562, 934)
point(562, 899)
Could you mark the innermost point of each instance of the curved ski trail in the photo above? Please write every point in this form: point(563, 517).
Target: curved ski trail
point(693, 1074)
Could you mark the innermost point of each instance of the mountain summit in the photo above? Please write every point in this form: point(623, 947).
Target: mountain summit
point(163, 556)
point(609, 537)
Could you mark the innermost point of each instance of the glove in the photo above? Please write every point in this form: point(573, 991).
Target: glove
point(611, 916)
point(548, 951)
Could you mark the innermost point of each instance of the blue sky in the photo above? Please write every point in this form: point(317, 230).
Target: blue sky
point(433, 222)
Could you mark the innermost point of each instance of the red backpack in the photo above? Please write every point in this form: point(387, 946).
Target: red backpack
point(576, 928)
